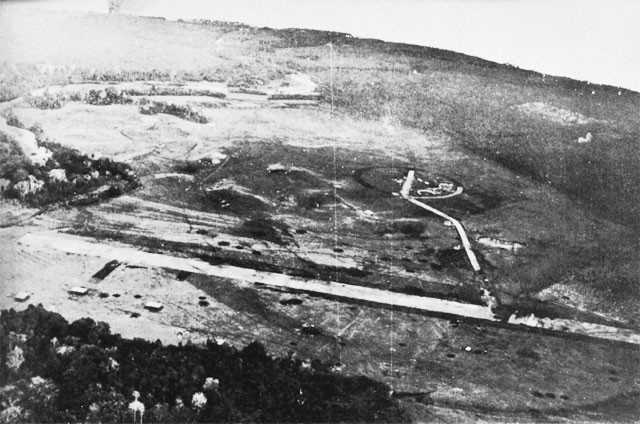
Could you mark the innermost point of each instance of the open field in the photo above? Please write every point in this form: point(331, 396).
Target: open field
point(242, 156)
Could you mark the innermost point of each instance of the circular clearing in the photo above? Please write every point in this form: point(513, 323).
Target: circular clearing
point(391, 179)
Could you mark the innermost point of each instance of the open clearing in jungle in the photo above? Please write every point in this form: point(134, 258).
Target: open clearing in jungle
point(274, 151)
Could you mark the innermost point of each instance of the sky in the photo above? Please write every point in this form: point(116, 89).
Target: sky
point(593, 40)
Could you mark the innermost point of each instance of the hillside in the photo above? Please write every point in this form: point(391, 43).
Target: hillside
point(524, 120)
point(254, 182)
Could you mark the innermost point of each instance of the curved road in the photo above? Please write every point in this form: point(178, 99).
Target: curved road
point(404, 192)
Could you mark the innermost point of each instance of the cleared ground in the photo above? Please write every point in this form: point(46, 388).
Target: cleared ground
point(291, 186)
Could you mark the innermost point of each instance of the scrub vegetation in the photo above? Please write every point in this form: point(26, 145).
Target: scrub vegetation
point(473, 100)
point(224, 162)
point(81, 372)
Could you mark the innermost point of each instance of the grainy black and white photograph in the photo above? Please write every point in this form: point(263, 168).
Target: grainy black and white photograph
point(289, 211)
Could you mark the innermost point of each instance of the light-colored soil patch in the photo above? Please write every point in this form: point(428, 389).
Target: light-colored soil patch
point(14, 213)
point(500, 244)
point(231, 186)
point(26, 140)
point(554, 114)
point(175, 175)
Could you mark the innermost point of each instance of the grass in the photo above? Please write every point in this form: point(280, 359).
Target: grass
point(479, 114)
point(470, 99)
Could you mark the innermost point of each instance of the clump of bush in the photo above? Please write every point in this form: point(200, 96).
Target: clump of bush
point(45, 101)
point(82, 372)
point(184, 112)
point(192, 166)
point(10, 153)
point(48, 100)
point(293, 37)
point(109, 96)
point(223, 26)
point(51, 100)
point(13, 120)
point(68, 176)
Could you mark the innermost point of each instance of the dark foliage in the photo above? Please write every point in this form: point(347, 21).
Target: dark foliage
point(83, 175)
point(184, 112)
point(14, 121)
point(294, 37)
point(93, 381)
point(110, 96)
point(265, 228)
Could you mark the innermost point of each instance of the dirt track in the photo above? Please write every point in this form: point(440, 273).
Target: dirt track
point(80, 246)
